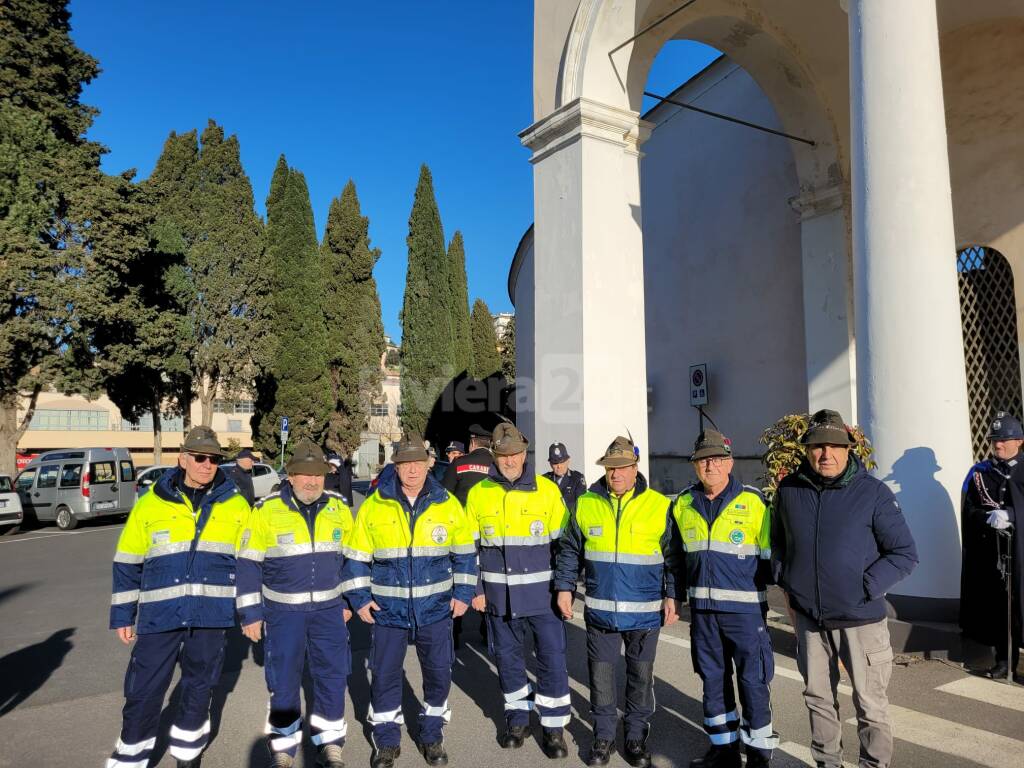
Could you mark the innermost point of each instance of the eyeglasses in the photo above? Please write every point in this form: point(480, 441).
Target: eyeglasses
point(202, 458)
point(713, 461)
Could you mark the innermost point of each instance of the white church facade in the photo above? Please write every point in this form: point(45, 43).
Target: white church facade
point(846, 267)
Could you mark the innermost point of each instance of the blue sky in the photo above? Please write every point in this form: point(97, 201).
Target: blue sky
point(344, 90)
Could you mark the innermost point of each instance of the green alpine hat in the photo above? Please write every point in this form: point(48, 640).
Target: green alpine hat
point(410, 447)
point(621, 453)
point(507, 440)
point(826, 427)
point(202, 440)
point(711, 443)
point(307, 459)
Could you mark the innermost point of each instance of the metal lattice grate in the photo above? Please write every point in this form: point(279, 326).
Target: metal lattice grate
point(988, 316)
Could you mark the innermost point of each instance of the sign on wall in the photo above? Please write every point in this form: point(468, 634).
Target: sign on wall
point(699, 384)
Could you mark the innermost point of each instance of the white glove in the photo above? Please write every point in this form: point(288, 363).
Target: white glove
point(999, 519)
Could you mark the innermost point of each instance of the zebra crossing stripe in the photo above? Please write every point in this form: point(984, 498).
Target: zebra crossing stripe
point(792, 755)
point(974, 745)
point(987, 691)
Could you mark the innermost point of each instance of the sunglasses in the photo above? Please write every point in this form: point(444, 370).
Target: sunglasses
point(202, 458)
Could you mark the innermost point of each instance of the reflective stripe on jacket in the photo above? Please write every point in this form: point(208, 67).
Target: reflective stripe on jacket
point(411, 562)
point(728, 555)
point(175, 566)
point(629, 550)
point(290, 558)
point(518, 525)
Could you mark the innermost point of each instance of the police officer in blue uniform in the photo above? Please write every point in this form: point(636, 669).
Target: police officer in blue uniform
point(570, 482)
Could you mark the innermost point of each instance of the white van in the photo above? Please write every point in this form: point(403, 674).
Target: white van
point(67, 486)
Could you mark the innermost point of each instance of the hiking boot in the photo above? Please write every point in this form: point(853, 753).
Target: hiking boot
point(719, 757)
point(434, 753)
point(195, 762)
point(600, 752)
point(281, 760)
point(384, 757)
point(758, 759)
point(553, 744)
point(330, 756)
point(636, 753)
point(514, 736)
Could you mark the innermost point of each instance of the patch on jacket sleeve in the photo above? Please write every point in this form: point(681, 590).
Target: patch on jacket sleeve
point(246, 535)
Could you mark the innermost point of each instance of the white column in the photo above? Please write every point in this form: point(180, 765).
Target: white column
point(828, 300)
point(911, 387)
point(590, 367)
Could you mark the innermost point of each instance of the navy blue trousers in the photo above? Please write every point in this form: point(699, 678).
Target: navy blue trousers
point(505, 638)
point(150, 669)
point(293, 639)
point(603, 652)
point(436, 652)
point(718, 642)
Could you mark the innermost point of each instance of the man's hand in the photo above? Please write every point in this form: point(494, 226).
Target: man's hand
point(480, 603)
point(565, 604)
point(347, 613)
point(126, 634)
point(458, 608)
point(670, 610)
point(366, 612)
point(253, 631)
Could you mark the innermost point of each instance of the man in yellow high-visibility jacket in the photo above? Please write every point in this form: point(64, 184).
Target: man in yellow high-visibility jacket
point(622, 535)
point(174, 595)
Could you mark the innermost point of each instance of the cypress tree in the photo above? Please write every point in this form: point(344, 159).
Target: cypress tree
point(352, 312)
point(299, 366)
point(428, 356)
point(49, 174)
point(460, 304)
point(508, 351)
point(486, 359)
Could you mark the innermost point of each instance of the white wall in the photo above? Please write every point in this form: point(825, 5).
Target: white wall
point(722, 271)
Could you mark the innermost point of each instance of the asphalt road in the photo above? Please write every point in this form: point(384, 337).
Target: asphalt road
point(61, 673)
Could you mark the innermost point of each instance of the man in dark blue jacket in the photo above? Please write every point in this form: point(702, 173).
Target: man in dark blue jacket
point(839, 544)
point(570, 482)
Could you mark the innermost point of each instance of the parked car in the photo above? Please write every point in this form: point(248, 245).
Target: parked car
point(11, 513)
point(148, 476)
point(69, 486)
point(265, 479)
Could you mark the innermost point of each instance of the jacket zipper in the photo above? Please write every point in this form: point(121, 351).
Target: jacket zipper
point(817, 537)
point(312, 567)
point(409, 525)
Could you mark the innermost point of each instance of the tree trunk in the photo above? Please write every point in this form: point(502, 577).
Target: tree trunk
point(158, 434)
point(185, 403)
point(11, 431)
point(207, 394)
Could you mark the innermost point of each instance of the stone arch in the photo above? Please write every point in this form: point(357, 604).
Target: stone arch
point(591, 68)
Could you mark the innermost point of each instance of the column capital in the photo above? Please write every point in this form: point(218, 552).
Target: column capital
point(819, 201)
point(584, 117)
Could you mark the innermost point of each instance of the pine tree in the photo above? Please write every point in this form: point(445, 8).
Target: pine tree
point(460, 304)
point(128, 316)
point(49, 174)
point(428, 355)
point(486, 359)
point(298, 374)
point(352, 312)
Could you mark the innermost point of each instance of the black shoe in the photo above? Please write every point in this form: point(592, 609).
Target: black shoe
point(636, 753)
point(600, 752)
point(998, 672)
point(384, 757)
point(195, 762)
point(719, 757)
point(434, 753)
point(330, 756)
point(757, 759)
point(514, 737)
point(553, 745)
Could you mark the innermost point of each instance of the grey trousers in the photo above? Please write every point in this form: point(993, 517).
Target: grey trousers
point(867, 655)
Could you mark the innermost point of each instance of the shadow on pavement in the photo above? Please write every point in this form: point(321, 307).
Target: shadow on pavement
point(25, 671)
point(9, 592)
